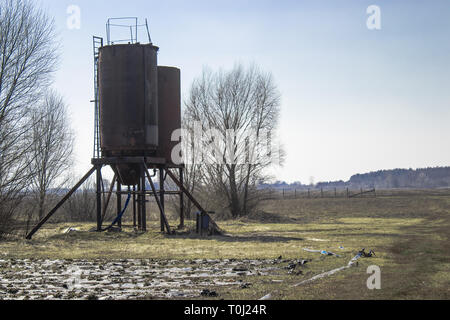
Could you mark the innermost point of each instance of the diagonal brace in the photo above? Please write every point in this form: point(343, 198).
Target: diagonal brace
point(111, 187)
point(186, 192)
point(60, 203)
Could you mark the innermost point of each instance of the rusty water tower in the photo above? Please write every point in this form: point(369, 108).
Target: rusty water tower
point(137, 107)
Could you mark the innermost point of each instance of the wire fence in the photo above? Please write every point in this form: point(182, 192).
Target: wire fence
point(352, 193)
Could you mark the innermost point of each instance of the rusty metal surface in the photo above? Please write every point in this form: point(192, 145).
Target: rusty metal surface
point(169, 98)
point(128, 96)
point(128, 173)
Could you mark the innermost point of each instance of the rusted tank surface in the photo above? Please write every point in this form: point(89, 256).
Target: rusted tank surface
point(128, 174)
point(128, 99)
point(169, 100)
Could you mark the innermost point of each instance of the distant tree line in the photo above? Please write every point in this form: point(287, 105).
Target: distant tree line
point(432, 177)
point(437, 177)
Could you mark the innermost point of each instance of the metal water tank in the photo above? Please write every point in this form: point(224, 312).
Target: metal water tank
point(169, 109)
point(128, 99)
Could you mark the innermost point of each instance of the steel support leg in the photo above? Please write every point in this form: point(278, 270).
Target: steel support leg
point(139, 207)
point(119, 203)
point(134, 206)
point(161, 196)
point(143, 210)
point(181, 226)
point(99, 197)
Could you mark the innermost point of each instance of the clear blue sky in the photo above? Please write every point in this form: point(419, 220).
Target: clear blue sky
point(353, 99)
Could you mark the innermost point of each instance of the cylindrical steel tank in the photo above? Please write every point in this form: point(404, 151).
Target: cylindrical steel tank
point(128, 99)
point(169, 102)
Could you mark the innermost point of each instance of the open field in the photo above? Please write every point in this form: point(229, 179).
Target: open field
point(409, 234)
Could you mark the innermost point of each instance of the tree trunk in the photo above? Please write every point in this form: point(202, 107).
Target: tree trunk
point(247, 179)
point(41, 204)
point(235, 206)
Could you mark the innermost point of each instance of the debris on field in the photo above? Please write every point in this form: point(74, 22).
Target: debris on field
point(324, 252)
point(245, 285)
point(366, 254)
point(296, 273)
point(362, 253)
point(311, 250)
point(267, 297)
point(291, 266)
point(322, 275)
point(70, 230)
point(208, 293)
point(329, 253)
point(352, 263)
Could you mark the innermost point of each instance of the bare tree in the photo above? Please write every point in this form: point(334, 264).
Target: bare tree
point(81, 205)
point(27, 60)
point(52, 148)
point(237, 112)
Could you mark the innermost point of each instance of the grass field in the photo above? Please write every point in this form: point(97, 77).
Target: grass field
point(409, 234)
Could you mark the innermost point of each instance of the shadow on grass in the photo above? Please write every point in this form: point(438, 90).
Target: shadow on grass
point(239, 238)
point(94, 236)
point(118, 236)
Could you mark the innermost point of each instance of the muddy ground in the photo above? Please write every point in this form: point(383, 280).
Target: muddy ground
point(126, 279)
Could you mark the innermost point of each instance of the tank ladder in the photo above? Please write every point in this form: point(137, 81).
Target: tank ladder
point(97, 44)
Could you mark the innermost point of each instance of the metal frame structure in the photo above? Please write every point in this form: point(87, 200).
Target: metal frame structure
point(138, 192)
point(132, 27)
